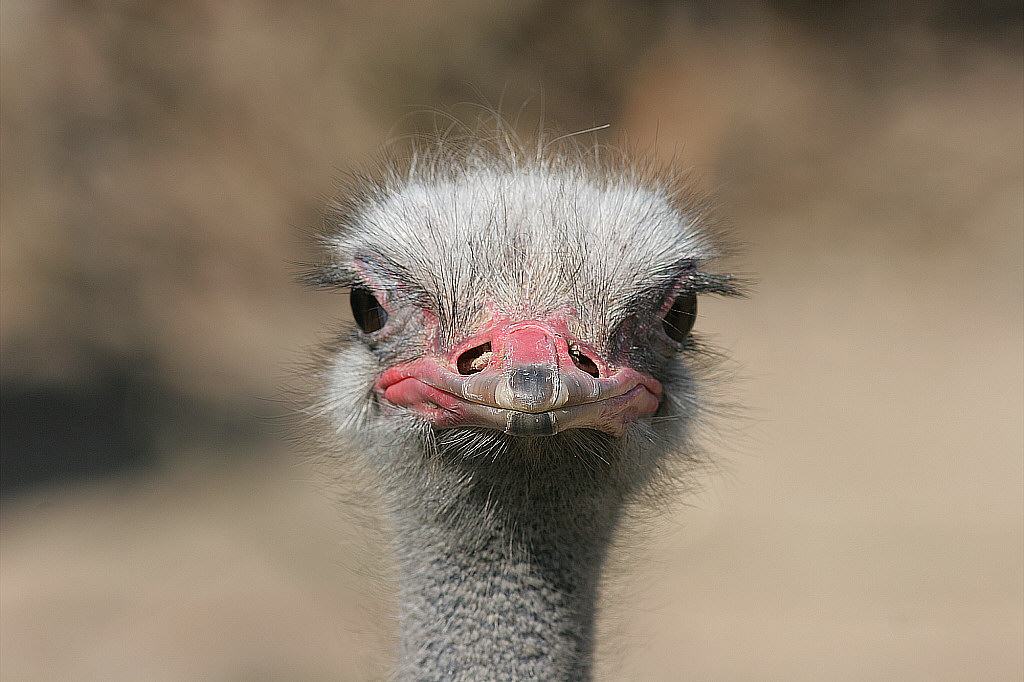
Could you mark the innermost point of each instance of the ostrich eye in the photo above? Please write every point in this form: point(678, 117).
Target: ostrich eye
point(680, 317)
point(369, 313)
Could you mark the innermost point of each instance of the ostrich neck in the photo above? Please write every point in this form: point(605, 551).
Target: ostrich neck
point(499, 580)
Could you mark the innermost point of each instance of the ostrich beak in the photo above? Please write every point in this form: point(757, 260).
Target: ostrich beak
point(526, 378)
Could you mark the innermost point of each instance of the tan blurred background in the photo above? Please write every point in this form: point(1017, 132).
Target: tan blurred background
point(163, 165)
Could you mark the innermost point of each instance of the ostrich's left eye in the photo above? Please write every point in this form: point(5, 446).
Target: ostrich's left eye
point(367, 310)
point(680, 317)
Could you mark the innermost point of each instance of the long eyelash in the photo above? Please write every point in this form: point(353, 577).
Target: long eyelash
point(328, 276)
point(723, 285)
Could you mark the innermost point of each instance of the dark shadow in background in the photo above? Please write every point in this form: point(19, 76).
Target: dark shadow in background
point(118, 423)
point(49, 433)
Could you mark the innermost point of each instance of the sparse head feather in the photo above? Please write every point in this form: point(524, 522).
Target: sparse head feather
point(468, 224)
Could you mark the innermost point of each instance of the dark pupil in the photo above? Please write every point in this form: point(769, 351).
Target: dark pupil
point(680, 317)
point(369, 314)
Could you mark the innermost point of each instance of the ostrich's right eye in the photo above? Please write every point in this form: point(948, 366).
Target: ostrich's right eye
point(680, 317)
point(367, 310)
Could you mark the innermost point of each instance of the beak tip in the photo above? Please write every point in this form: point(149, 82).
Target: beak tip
point(533, 388)
point(525, 424)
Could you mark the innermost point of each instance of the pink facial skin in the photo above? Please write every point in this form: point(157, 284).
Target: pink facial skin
point(525, 378)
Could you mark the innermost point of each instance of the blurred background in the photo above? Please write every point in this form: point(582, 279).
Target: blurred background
point(164, 165)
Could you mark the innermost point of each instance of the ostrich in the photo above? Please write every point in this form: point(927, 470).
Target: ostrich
point(520, 373)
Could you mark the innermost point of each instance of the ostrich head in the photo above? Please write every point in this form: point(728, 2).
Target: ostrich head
point(509, 305)
point(522, 365)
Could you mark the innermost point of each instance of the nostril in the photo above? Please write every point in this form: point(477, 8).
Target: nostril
point(474, 359)
point(583, 361)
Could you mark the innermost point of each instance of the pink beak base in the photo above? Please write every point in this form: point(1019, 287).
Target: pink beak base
point(529, 386)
